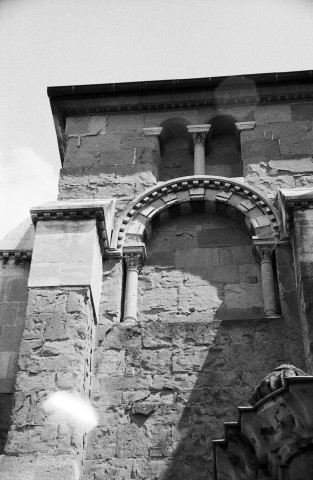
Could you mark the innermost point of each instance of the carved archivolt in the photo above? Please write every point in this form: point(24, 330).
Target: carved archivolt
point(221, 195)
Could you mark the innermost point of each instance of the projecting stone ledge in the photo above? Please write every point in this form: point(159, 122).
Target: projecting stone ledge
point(273, 439)
point(102, 210)
point(71, 237)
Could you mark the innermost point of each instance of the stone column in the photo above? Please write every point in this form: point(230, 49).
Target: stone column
point(134, 257)
point(265, 249)
point(56, 351)
point(199, 134)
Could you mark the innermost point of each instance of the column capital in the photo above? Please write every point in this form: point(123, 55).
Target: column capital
point(134, 256)
point(199, 133)
point(264, 248)
point(250, 125)
point(290, 199)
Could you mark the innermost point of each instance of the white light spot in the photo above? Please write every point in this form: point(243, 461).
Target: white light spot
point(72, 408)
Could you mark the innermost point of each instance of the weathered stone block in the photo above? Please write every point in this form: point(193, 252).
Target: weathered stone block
point(8, 313)
point(298, 165)
point(109, 363)
point(242, 300)
point(21, 467)
point(163, 299)
point(301, 111)
point(8, 364)
point(196, 257)
point(86, 125)
point(272, 114)
point(131, 441)
point(237, 255)
point(249, 273)
point(158, 361)
point(161, 258)
point(204, 299)
point(222, 237)
point(11, 338)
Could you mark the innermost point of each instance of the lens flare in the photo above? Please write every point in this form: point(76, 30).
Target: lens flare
point(72, 408)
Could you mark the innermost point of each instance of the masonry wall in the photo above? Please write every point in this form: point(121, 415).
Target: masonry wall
point(164, 388)
point(108, 155)
point(13, 297)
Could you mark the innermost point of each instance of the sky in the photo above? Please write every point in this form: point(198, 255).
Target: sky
point(73, 42)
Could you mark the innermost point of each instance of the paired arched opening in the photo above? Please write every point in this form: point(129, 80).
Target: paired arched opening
point(222, 149)
point(177, 159)
point(224, 157)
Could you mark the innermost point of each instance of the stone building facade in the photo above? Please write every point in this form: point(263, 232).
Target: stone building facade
point(173, 274)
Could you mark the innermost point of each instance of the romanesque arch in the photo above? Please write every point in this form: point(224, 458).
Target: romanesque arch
point(218, 193)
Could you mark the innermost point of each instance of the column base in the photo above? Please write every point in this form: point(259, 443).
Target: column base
point(272, 314)
point(129, 321)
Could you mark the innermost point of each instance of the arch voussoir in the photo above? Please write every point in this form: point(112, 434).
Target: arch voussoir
point(218, 194)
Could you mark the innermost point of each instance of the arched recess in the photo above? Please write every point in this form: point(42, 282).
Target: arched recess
point(224, 157)
point(217, 194)
point(177, 159)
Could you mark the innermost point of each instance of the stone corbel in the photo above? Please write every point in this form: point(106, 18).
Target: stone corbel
point(264, 248)
point(241, 126)
point(71, 237)
point(199, 135)
point(155, 132)
point(291, 199)
point(134, 258)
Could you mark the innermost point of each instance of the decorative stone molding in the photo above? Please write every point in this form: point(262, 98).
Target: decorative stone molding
point(70, 239)
point(272, 437)
point(241, 126)
point(101, 210)
point(215, 192)
point(275, 381)
point(18, 254)
point(245, 126)
point(290, 200)
point(264, 248)
point(199, 136)
point(134, 258)
point(173, 95)
point(155, 132)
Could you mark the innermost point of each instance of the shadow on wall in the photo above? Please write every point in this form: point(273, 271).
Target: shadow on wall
point(177, 160)
point(224, 157)
point(200, 268)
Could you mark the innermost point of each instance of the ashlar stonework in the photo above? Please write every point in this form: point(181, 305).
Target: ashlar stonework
point(170, 277)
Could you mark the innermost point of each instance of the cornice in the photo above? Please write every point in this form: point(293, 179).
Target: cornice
point(182, 94)
point(101, 210)
point(16, 254)
point(290, 199)
point(231, 101)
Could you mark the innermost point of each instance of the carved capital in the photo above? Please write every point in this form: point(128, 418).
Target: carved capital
point(133, 261)
point(134, 257)
point(264, 248)
point(199, 139)
point(199, 134)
